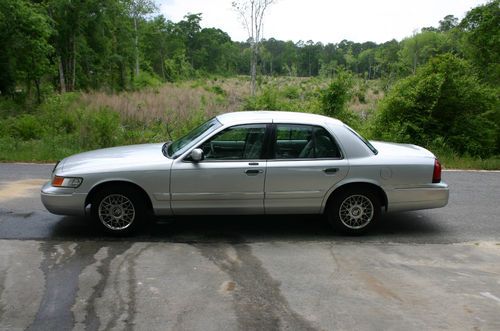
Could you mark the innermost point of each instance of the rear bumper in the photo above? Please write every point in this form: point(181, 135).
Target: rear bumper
point(63, 201)
point(414, 198)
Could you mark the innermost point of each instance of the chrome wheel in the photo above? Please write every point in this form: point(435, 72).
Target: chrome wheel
point(116, 212)
point(356, 211)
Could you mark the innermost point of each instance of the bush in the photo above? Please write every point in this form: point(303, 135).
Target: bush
point(26, 127)
point(443, 100)
point(100, 128)
point(335, 98)
point(145, 79)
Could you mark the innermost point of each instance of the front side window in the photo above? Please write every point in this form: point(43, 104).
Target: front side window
point(236, 143)
point(304, 142)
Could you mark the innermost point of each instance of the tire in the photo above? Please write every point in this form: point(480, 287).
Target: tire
point(354, 211)
point(118, 210)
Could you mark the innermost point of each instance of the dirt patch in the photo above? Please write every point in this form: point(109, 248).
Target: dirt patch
point(20, 188)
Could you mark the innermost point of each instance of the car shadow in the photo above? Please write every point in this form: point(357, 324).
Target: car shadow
point(393, 227)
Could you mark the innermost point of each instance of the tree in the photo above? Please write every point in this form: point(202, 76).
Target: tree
point(447, 23)
point(24, 36)
point(419, 48)
point(138, 9)
point(252, 15)
point(481, 27)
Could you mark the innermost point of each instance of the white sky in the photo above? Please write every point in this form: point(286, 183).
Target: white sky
point(326, 20)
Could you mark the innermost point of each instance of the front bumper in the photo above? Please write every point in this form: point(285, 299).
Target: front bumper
point(63, 201)
point(414, 198)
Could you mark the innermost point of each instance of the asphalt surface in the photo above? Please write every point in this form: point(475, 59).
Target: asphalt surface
point(433, 269)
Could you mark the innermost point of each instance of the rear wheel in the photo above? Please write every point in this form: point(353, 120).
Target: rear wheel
point(354, 211)
point(118, 210)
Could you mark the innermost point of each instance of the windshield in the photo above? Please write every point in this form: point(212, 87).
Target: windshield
point(181, 145)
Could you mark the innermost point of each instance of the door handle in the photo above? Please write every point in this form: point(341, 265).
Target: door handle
point(253, 172)
point(330, 171)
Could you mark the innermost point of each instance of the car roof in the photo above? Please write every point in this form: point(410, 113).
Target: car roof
point(260, 116)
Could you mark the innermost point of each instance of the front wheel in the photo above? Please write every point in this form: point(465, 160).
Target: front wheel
point(118, 211)
point(354, 211)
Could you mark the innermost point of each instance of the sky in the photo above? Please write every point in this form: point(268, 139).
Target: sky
point(325, 20)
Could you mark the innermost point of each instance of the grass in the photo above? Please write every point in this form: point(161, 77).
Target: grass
point(76, 122)
point(451, 160)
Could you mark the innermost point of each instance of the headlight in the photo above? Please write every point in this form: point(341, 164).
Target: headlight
point(73, 182)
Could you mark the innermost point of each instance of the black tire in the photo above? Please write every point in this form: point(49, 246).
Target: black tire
point(354, 211)
point(118, 210)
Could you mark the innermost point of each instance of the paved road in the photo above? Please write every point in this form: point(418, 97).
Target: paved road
point(472, 214)
point(419, 270)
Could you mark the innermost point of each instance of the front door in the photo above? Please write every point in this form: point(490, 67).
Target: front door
point(230, 178)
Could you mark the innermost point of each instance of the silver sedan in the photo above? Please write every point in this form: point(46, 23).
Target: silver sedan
point(253, 162)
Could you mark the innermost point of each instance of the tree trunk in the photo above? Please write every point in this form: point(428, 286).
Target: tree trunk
point(253, 70)
point(62, 82)
point(136, 44)
point(38, 95)
point(162, 65)
point(73, 78)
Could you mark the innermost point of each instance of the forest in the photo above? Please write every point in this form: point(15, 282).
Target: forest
point(76, 75)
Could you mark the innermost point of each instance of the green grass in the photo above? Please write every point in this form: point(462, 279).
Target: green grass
point(451, 160)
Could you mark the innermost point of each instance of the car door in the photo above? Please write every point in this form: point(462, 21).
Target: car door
point(230, 178)
point(306, 163)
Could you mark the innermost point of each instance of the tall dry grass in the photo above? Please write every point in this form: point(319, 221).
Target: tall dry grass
point(172, 103)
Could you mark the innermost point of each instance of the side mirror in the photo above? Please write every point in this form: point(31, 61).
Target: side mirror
point(197, 155)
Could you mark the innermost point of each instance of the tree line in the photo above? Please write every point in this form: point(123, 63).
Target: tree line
point(67, 45)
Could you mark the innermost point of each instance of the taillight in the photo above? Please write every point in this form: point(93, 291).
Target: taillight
point(436, 176)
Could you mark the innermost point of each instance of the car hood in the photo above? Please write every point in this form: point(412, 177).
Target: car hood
point(406, 150)
point(124, 158)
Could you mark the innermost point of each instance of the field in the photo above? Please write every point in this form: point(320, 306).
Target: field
point(76, 122)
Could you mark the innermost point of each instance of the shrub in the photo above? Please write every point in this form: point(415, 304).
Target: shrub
point(446, 100)
point(99, 128)
point(334, 98)
point(26, 127)
point(145, 79)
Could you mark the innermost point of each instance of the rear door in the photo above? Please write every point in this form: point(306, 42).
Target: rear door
point(305, 163)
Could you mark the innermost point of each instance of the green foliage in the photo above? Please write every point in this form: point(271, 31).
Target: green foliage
point(444, 101)
point(25, 127)
point(481, 28)
point(335, 97)
point(145, 79)
point(267, 99)
point(178, 68)
point(25, 48)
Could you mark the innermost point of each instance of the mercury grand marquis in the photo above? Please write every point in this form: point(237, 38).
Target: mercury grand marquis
point(252, 162)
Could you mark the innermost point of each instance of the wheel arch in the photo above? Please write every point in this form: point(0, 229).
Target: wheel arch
point(119, 183)
point(357, 185)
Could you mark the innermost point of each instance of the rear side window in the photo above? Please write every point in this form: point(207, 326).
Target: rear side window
point(364, 140)
point(295, 141)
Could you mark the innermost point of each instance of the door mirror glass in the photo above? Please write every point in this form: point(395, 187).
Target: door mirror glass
point(197, 155)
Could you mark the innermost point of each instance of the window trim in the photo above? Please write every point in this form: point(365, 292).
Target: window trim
point(272, 155)
point(263, 154)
